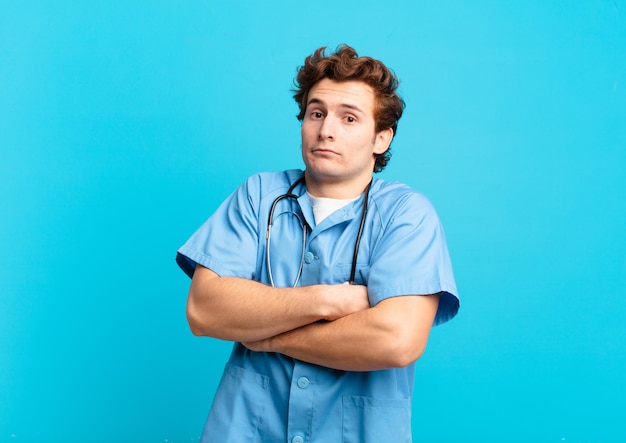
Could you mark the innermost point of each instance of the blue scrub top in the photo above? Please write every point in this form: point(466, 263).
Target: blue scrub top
point(268, 397)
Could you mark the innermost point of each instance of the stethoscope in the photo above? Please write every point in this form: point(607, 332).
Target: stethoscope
point(304, 225)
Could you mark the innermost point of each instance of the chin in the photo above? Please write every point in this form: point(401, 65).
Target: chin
point(322, 170)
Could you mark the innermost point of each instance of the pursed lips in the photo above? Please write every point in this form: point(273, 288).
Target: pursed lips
point(323, 151)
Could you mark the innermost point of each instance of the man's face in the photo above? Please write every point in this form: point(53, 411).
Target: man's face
point(339, 138)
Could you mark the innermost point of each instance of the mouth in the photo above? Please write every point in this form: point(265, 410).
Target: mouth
point(324, 151)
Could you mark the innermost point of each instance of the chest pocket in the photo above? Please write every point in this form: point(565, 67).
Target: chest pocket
point(341, 273)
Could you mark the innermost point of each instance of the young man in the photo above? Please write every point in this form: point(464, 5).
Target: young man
point(315, 359)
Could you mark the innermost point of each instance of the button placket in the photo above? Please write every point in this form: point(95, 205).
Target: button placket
point(303, 382)
point(309, 257)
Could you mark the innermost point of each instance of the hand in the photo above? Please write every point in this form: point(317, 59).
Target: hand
point(340, 299)
point(345, 299)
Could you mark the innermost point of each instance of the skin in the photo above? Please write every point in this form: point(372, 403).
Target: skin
point(237, 309)
point(339, 140)
point(338, 146)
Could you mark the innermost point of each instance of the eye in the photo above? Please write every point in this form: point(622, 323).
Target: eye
point(350, 119)
point(316, 115)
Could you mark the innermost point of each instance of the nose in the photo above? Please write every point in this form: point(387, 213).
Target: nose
point(326, 129)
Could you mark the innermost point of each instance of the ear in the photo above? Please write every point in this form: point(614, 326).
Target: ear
point(383, 140)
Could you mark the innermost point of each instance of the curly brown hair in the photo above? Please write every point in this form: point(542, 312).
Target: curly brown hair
point(346, 65)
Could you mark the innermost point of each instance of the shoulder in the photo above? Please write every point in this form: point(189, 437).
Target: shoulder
point(394, 199)
point(265, 184)
point(268, 180)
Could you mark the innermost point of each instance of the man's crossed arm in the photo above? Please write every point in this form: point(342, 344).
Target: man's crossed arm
point(354, 337)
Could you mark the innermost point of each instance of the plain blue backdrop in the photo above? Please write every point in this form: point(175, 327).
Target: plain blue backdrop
point(124, 124)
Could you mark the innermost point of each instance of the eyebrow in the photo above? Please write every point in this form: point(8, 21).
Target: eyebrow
point(317, 101)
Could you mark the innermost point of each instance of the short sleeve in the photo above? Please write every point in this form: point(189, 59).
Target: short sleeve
point(227, 242)
point(412, 255)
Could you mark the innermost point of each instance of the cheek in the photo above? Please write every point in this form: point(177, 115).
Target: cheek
point(309, 133)
point(305, 131)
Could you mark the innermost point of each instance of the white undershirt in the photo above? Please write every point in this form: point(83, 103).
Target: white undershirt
point(323, 207)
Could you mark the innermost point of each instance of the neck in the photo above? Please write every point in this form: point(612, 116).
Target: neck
point(336, 189)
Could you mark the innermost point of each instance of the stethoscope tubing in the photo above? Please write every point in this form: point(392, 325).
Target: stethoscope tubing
point(268, 233)
point(359, 234)
point(290, 195)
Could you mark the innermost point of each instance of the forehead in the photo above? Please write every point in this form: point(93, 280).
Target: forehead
point(350, 94)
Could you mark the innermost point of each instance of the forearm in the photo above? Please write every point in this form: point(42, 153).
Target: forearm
point(250, 311)
point(237, 309)
point(393, 334)
point(350, 344)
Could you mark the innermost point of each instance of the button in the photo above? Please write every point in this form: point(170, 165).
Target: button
point(309, 257)
point(297, 439)
point(303, 382)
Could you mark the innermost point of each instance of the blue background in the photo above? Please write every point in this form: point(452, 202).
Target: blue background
point(124, 124)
